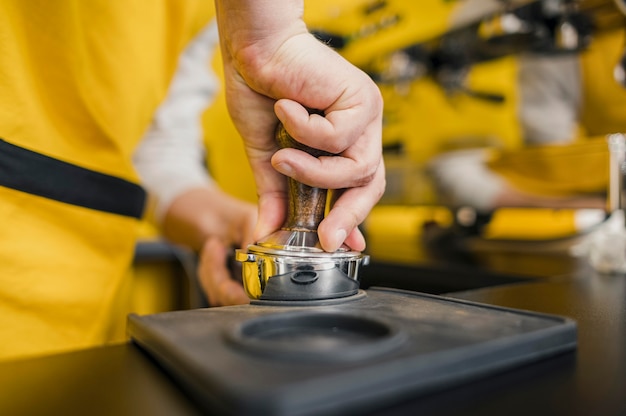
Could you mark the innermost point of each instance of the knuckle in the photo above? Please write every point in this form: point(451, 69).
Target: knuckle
point(368, 175)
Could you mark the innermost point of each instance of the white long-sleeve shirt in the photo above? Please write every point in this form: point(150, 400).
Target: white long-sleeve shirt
point(170, 159)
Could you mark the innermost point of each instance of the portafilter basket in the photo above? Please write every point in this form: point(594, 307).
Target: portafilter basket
point(290, 264)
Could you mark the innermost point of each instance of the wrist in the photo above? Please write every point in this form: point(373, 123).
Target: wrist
point(257, 25)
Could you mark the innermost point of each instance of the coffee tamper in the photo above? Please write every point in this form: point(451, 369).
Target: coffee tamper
point(290, 264)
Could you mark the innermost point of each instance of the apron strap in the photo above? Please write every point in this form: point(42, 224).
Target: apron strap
point(37, 174)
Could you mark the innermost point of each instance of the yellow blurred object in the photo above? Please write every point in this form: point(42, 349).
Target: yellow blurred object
point(373, 28)
point(604, 98)
point(394, 231)
point(158, 285)
point(556, 170)
point(428, 121)
point(539, 223)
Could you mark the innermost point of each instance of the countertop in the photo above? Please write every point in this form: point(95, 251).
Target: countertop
point(122, 380)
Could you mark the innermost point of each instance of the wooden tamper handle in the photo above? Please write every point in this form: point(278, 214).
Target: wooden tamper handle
point(306, 204)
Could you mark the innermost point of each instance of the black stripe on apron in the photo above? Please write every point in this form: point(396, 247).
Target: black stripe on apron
point(31, 172)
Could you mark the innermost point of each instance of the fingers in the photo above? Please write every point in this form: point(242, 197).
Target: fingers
point(355, 240)
point(272, 214)
point(359, 170)
point(327, 172)
point(342, 124)
point(340, 225)
point(215, 278)
point(348, 211)
point(355, 162)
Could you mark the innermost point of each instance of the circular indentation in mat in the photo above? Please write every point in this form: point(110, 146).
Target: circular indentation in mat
point(318, 336)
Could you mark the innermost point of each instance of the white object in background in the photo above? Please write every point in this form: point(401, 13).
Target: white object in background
point(606, 247)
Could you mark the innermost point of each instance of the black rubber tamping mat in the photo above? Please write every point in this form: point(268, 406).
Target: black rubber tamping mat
point(352, 355)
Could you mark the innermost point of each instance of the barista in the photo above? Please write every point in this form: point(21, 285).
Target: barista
point(80, 84)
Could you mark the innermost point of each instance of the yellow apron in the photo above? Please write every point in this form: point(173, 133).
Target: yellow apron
point(581, 167)
point(79, 82)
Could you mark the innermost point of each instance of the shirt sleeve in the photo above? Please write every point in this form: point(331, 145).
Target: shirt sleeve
point(462, 178)
point(170, 158)
point(550, 98)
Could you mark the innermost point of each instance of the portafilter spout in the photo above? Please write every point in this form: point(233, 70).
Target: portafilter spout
point(290, 264)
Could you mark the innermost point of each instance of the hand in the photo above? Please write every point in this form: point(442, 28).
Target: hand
point(211, 222)
point(274, 70)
